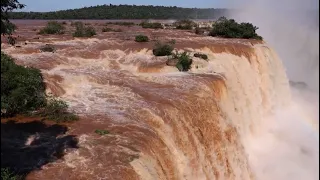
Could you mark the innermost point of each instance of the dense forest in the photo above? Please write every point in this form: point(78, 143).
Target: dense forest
point(124, 12)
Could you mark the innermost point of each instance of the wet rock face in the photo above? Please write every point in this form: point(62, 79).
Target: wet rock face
point(298, 85)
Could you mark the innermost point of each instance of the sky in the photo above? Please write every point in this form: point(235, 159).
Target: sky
point(53, 5)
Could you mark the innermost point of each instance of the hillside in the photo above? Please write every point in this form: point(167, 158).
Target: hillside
point(124, 12)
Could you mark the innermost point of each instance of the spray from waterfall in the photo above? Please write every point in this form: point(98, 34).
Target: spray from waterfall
point(287, 147)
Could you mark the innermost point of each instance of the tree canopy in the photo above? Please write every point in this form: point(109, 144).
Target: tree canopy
point(124, 12)
point(6, 7)
point(229, 28)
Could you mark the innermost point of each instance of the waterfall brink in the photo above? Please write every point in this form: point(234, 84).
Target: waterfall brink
point(206, 124)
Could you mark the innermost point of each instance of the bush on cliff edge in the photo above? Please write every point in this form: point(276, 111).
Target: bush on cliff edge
point(229, 28)
point(23, 91)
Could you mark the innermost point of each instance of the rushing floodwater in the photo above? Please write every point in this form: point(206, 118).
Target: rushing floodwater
point(231, 117)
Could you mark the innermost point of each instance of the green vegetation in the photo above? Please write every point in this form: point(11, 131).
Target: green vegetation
point(101, 132)
point(229, 28)
point(161, 49)
point(202, 56)
point(141, 38)
point(7, 6)
point(124, 12)
point(122, 23)
point(12, 40)
point(7, 175)
point(83, 31)
point(53, 27)
point(185, 24)
point(184, 61)
point(22, 88)
point(56, 110)
point(47, 48)
point(23, 91)
point(150, 25)
point(106, 29)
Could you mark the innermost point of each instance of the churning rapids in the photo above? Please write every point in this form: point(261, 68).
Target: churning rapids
point(231, 117)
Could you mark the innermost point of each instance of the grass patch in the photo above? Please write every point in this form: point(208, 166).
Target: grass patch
point(53, 27)
point(101, 132)
point(141, 38)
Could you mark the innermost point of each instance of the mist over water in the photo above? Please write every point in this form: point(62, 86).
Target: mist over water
point(287, 146)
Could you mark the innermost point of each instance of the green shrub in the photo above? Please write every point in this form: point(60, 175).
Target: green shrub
point(149, 25)
point(162, 49)
point(184, 61)
point(101, 132)
point(229, 28)
point(57, 110)
point(53, 27)
point(142, 38)
point(7, 175)
point(22, 88)
point(83, 31)
point(89, 31)
point(185, 24)
point(202, 56)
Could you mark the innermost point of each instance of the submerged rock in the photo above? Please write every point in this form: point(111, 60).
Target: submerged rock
point(172, 62)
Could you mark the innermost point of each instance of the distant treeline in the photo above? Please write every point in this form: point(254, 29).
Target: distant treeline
point(124, 12)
